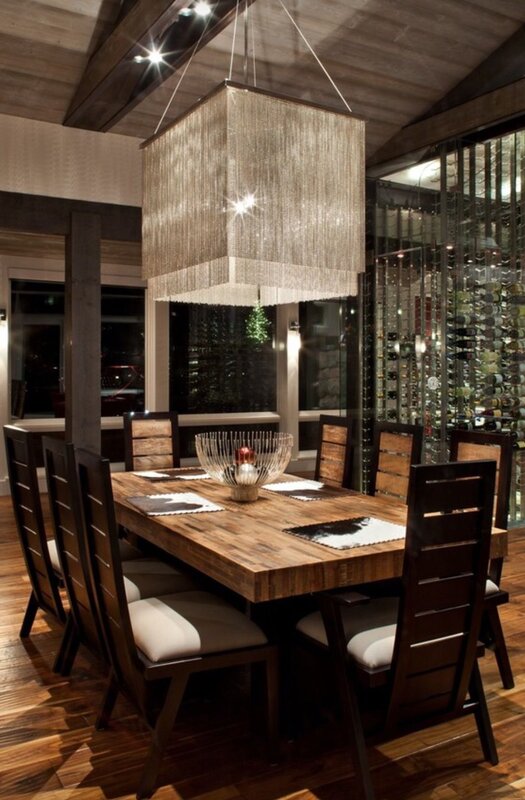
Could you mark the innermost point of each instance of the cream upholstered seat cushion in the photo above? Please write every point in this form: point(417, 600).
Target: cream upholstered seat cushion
point(491, 588)
point(149, 577)
point(53, 555)
point(127, 553)
point(370, 631)
point(190, 624)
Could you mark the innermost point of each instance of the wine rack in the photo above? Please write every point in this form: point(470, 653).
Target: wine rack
point(486, 301)
point(449, 301)
point(406, 294)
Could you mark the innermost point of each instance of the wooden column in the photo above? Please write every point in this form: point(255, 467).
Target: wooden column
point(82, 331)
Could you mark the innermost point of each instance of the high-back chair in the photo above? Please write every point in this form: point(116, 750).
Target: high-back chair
point(151, 440)
point(334, 461)
point(421, 649)
point(143, 576)
point(160, 640)
point(395, 448)
point(41, 558)
point(83, 625)
point(468, 445)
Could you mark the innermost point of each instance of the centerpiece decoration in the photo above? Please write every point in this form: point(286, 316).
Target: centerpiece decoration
point(244, 460)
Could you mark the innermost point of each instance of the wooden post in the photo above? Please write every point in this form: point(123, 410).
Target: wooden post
point(82, 331)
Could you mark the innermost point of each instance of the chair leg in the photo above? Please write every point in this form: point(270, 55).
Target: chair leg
point(348, 698)
point(70, 654)
point(65, 644)
point(108, 702)
point(272, 705)
point(481, 714)
point(495, 630)
point(29, 616)
point(357, 741)
point(161, 732)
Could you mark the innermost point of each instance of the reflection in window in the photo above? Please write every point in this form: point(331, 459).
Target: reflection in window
point(215, 365)
point(37, 349)
point(322, 358)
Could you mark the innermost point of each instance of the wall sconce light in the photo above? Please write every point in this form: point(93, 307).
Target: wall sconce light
point(3, 315)
point(294, 337)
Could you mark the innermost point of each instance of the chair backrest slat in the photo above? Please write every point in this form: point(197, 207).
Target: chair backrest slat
point(446, 558)
point(101, 532)
point(66, 513)
point(395, 448)
point(151, 440)
point(27, 507)
point(334, 461)
point(470, 445)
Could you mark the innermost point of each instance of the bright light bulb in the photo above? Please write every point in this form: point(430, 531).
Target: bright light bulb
point(244, 204)
point(155, 56)
point(294, 342)
point(202, 9)
point(249, 201)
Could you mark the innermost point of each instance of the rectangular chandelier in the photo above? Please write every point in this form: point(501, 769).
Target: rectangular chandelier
point(254, 197)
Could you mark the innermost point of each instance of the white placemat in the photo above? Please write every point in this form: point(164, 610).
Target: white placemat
point(293, 486)
point(301, 490)
point(354, 532)
point(157, 475)
point(160, 505)
point(151, 473)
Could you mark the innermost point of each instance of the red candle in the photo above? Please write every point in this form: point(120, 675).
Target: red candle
point(244, 455)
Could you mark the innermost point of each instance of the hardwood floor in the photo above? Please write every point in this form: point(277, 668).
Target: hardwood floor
point(49, 749)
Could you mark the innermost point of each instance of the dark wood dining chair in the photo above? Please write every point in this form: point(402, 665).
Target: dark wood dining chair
point(395, 448)
point(155, 644)
point(334, 462)
point(151, 440)
point(468, 445)
point(40, 554)
point(143, 576)
point(419, 651)
point(82, 626)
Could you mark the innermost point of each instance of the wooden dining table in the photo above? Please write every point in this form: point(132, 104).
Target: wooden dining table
point(246, 547)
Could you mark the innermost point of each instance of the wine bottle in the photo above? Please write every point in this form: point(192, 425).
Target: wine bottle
point(462, 332)
point(462, 355)
point(465, 319)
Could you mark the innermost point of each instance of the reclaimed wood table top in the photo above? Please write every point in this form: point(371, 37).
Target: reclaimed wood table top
point(246, 548)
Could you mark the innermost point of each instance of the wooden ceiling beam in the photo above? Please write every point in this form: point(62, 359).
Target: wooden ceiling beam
point(28, 213)
point(489, 110)
point(113, 83)
point(489, 96)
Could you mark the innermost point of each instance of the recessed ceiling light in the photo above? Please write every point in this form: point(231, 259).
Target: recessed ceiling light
point(185, 12)
point(155, 56)
point(202, 9)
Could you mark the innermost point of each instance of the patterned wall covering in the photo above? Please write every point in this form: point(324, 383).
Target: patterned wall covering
point(46, 159)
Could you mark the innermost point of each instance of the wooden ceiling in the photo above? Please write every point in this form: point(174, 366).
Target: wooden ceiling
point(393, 60)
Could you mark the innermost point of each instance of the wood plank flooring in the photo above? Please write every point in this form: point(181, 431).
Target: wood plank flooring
point(49, 749)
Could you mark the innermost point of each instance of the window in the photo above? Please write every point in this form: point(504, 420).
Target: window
point(215, 367)
point(37, 349)
point(322, 358)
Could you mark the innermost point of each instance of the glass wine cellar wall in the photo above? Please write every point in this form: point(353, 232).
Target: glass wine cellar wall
point(446, 299)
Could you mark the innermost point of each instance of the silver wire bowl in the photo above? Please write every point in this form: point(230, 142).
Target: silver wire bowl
point(244, 461)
